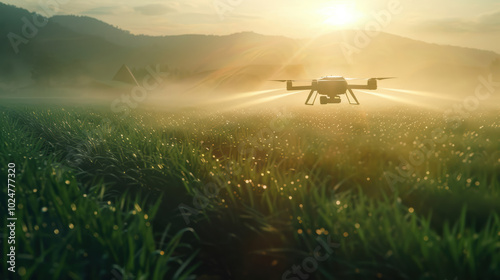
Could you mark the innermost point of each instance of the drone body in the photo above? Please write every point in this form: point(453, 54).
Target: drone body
point(331, 87)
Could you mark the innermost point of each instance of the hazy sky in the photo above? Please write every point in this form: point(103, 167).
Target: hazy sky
point(455, 22)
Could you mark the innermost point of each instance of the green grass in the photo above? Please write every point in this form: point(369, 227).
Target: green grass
point(67, 229)
point(245, 195)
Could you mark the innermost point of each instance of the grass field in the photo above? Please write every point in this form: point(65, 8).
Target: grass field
point(399, 193)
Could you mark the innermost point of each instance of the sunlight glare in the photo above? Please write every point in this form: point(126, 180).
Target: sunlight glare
point(399, 99)
point(262, 100)
point(435, 95)
point(340, 14)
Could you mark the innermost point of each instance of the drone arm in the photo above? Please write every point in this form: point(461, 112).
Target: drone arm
point(358, 87)
point(300, 88)
point(372, 85)
point(289, 86)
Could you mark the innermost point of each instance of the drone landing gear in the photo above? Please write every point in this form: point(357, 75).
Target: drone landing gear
point(353, 96)
point(309, 97)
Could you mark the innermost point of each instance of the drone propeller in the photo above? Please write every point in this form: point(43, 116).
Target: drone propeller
point(282, 81)
point(347, 79)
point(379, 79)
point(384, 78)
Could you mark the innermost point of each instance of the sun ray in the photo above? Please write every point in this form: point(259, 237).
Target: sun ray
point(262, 100)
point(399, 99)
point(422, 93)
point(243, 95)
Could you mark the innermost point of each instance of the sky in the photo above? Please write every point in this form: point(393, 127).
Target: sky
point(473, 24)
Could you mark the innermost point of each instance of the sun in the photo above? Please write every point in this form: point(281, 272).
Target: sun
point(340, 15)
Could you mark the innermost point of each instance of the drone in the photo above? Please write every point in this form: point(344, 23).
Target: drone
point(331, 87)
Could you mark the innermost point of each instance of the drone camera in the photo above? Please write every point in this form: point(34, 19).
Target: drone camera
point(326, 99)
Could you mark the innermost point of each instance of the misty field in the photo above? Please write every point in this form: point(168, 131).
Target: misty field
point(328, 193)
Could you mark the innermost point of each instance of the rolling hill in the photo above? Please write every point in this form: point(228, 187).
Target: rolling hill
point(74, 50)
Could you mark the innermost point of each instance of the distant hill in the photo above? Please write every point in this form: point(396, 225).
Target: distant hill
point(75, 50)
point(91, 26)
